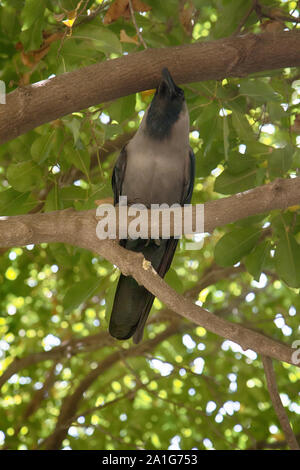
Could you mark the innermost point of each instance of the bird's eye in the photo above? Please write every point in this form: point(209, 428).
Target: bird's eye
point(179, 93)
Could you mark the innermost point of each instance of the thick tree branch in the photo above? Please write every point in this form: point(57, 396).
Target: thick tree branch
point(33, 105)
point(79, 228)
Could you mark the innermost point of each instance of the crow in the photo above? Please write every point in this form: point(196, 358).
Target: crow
point(157, 166)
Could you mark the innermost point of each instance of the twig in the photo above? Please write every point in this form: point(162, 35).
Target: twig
point(268, 14)
point(92, 14)
point(108, 147)
point(71, 402)
point(66, 349)
point(135, 25)
point(176, 404)
point(103, 339)
point(278, 406)
point(211, 60)
point(264, 444)
point(244, 19)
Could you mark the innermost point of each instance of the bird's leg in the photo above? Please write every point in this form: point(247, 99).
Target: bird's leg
point(157, 242)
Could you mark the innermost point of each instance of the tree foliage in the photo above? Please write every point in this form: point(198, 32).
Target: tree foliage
point(184, 387)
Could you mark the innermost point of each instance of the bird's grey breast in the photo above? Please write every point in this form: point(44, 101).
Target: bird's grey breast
point(156, 169)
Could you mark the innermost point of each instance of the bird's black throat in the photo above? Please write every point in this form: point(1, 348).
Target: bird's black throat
point(161, 117)
point(165, 107)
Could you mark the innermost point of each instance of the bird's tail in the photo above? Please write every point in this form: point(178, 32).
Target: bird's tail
point(133, 302)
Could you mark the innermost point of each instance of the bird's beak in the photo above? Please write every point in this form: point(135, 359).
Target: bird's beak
point(166, 82)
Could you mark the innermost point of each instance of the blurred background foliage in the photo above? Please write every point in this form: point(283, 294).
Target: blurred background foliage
point(185, 387)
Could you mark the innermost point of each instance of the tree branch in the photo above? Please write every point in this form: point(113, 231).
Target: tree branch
point(264, 444)
point(66, 349)
point(136, 26)
point(132, 264)
point(71, 402)
point(244, 19)
point(109, 146)
point(79, 228)
point(100, 340)
point(278, 406)
point(33, 105)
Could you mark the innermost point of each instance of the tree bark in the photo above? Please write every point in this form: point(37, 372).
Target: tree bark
point(281, 413)
point(79, 228)
point(33, 105)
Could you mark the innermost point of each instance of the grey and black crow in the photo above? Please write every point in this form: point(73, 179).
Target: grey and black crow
point(157, 166)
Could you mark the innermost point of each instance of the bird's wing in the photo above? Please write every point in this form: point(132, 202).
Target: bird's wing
point(186, 199)
point(118, 175)
point(189, 183)
point(170, 247)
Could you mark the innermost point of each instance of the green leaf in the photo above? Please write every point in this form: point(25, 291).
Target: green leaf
point(206, 162)
point(41, 147)
point(111, 130)
point(296, 158)
point(174, 280)
point(72, 54)
point(104, 39)
point(231, 14)
point(287, 256)
point(255, 261)
point(9, 22)
point(61, 255)
point(33, 10)
point(53, 201)
point(96, 192)
point(24, 176)
point(74, 126)
point(227, 183)
point(259, 90)
point(13, 202)
point(251, 220)
point(242, 126)
point(260, 176)
point(225, 136)
point(236, 244)
point(122, 108)
point(238, 163)
point(211, 127)
point(276, 111)
point(109, 298)
point(256, 148)
point(78, 156)
point(72, 195)
point(280, 161)
point(79, 293)
point(32, 37)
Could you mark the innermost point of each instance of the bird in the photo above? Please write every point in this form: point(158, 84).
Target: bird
point(156, 166)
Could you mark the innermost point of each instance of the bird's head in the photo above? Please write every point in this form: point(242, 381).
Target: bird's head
point(167, 105)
